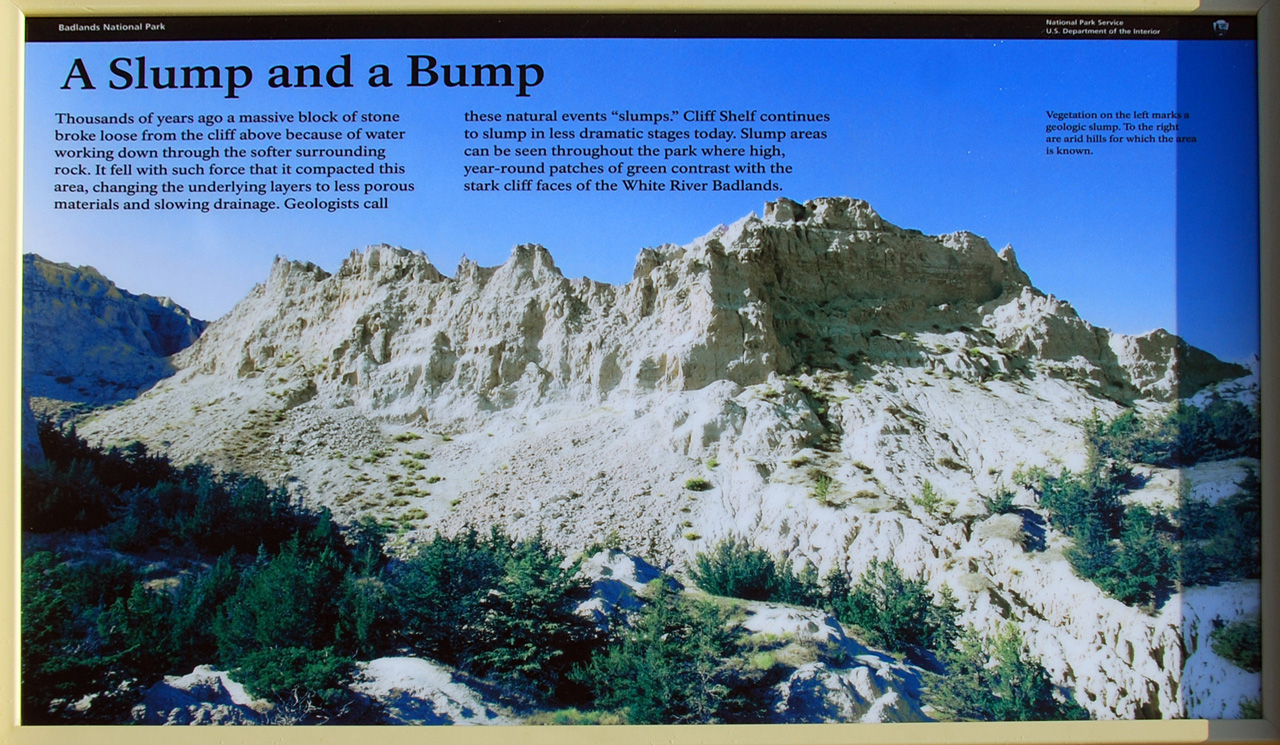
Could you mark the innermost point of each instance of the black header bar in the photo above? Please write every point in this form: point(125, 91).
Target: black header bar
point(643, 26)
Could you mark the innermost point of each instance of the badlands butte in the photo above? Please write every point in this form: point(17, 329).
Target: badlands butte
point(794, 379)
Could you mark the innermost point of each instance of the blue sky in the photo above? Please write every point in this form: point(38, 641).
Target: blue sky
point(937, 135)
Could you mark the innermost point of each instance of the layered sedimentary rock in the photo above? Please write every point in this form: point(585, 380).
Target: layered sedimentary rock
point(795, 379)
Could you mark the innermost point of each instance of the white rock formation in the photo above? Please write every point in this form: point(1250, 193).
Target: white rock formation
point(617, 583)
point(816, 693)
point(410, 690)
point(868, 686)
point(204, 696)
point(812, 369)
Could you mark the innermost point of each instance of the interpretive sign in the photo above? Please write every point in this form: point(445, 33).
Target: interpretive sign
point(640, 369)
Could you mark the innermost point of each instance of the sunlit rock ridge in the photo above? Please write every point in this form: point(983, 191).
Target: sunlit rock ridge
point(824, 285)
point(816, 344)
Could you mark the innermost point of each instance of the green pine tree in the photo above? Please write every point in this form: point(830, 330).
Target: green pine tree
point(529, 635)
point(995, 681)
point(436, 594)
point(667, 667)
point(893, 612)
point(734, 569)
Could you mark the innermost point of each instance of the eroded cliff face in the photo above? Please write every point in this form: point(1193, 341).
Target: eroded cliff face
point(825, 285)
point(813, 368)
point(84, 340)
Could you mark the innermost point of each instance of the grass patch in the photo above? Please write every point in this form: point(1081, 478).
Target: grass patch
point(1001, 503)
point(762, 661)
point(697, 484)
point(822, 488)
point(929, 499)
